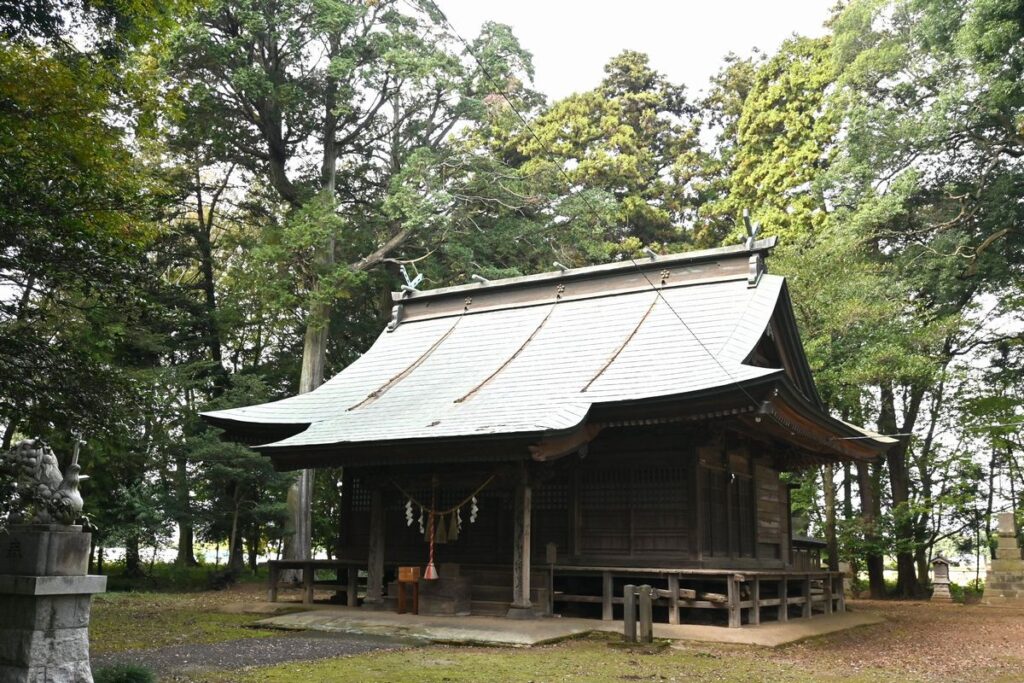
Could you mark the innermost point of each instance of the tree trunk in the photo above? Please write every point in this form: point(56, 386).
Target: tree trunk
point(132, 562)
point(852, 558)
point(921, 560)
point(907, 584)
point(205, 217)
point(993, 462)
point(828, 474)
point(186, 534)
point(869, 512)
point(99, 561)
point(234, 547)
point(12, 427)
point(314, 347)
point(254, 547)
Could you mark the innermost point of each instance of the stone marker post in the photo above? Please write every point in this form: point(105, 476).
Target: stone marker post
point(45, 593)
point(1004, 581)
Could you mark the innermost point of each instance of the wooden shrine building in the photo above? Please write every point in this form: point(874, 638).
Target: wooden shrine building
point(566, 433)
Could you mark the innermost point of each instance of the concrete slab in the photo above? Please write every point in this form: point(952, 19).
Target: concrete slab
point(462, 630)
point(499, 631)
point(772, 634)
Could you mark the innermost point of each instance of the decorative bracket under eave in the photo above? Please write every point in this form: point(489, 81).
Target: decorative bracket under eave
point(553, 448)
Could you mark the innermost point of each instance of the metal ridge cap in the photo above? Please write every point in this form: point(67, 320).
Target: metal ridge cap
point(735, 250)
point(572, 298)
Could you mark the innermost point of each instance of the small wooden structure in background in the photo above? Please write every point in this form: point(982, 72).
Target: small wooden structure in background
point(940, 580)
point(409, 579)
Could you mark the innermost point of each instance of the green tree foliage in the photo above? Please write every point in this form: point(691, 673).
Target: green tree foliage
point(207, 206)
point(784, 139)
point(634, 138)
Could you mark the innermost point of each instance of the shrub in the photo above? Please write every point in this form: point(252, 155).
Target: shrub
point(124, 673)
point(970, 592)
point(168, 576)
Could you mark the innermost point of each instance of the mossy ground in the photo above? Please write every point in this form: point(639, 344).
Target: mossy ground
point(918, 642)
point(587, 659)
point(132, 621)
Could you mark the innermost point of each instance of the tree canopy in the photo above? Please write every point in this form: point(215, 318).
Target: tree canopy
point(207, 204)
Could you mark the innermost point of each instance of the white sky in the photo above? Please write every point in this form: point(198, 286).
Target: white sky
point(571, 40)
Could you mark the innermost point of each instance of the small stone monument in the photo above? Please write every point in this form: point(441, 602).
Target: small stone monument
point(847, 571)
point(45, 593)
point(1004, 581)
point(940, 580)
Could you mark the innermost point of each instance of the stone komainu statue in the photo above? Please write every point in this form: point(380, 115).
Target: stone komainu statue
point(45, 496)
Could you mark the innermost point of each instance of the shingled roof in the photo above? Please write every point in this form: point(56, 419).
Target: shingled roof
point(534, 356)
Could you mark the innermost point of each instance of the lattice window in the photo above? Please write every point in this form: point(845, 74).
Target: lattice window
point(360, 496)
point(659, 488)
point(551, 495)
point(605, 488)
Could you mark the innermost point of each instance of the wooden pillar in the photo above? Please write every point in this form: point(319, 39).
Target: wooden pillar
point(575, 513)
point(521, 606)
point(375, 564)
point(733, 593)
point(808, 606)
point(783, 599)
point(606, 596)
point(275, 578)
point(308, 574)
point(351, 593)
point(629, 612)
point(646, 615)
point(755, 601)
point(345, 529)
point(673, 598)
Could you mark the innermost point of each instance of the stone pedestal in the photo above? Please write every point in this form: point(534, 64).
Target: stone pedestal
point(1004, 581)
point(45, 601)
point(940, 593)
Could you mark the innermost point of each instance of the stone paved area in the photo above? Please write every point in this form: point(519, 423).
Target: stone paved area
point(525, 633)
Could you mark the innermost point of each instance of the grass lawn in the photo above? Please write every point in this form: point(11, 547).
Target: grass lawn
point(918, 642)
point(587, 659)
point(132, 621)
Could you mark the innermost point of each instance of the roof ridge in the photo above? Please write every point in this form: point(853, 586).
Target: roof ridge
point(732, 251)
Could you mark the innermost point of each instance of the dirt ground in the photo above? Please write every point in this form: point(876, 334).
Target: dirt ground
point(931, 641)
point(919, 641)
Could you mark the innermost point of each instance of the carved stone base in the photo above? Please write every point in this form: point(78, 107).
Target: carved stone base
point(940, 593)
point(44, 627)
point(44, 550)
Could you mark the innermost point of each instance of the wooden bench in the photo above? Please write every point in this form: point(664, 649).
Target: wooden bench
point(350, 586)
